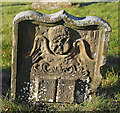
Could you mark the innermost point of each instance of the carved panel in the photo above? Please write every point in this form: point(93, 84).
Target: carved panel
point(64, 57)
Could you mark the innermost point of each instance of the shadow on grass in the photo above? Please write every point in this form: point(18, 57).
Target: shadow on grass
point(6, 80)
point(110, 91)
point(14, 4)
point(111, 63)
point(89, 3)
point(83, 4)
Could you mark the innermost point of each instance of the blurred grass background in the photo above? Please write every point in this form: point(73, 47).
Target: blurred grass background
point(109, 90)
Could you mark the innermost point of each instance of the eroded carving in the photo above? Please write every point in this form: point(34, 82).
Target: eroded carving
point(56, 55)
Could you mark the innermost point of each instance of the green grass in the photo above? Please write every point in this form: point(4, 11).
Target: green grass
point(109, 90)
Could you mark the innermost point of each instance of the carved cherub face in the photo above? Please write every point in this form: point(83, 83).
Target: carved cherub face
point(59, 39)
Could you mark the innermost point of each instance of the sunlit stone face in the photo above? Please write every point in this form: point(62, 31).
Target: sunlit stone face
point(59, 39)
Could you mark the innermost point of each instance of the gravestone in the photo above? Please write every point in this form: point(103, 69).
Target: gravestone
point(50, 4)
point(57, 57)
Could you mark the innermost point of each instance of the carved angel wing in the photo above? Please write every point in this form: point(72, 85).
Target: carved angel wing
point(83, 50)
point(39, 48)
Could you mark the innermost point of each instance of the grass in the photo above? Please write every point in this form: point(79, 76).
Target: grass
point(108, 95)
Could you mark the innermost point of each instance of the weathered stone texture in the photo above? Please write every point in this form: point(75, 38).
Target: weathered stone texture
point(57, 57)
point(65, 90)
point(42, 4)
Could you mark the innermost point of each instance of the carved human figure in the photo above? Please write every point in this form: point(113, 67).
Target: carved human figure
point(59, 39)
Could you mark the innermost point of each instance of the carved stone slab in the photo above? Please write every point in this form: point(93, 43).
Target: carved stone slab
point(57, 57)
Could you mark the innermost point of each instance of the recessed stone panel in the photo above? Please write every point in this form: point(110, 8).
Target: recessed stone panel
point(46, 90)
point(65, 90)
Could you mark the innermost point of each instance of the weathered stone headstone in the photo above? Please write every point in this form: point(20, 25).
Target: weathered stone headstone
point(50, 4)
point(57, 57)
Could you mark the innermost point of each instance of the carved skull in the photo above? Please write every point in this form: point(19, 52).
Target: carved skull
point(59, 39)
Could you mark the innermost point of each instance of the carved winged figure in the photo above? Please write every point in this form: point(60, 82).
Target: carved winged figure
point(57, 53)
